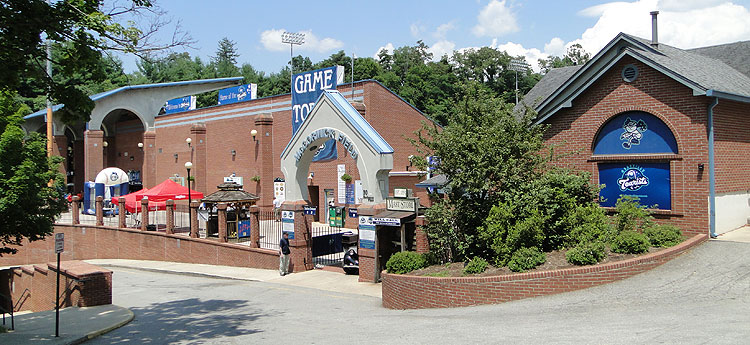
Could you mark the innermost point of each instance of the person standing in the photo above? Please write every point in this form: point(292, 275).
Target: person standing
point(284, 254)
point(276, 209)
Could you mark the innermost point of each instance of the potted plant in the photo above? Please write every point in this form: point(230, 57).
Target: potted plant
point(346, 178)
point(255, 178)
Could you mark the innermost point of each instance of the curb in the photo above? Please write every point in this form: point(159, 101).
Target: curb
point(94, 334)
point(183, 273)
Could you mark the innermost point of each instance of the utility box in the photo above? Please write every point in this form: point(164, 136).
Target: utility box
point(336, 216)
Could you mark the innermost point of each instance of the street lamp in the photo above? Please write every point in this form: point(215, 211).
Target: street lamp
point(292, 38)
point(188, 166)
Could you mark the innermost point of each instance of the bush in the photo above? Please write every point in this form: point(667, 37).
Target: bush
point(663, 235)
point(630, 242)
point(476, 265)
point(630, 215)
point(405, 262)
point(526, 259)
point(586, 253)
point(506, 234)
point(591, 224)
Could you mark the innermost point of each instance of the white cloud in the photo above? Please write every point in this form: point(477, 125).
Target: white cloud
point(532, 55)
point(683, 24)
point(388, 48)
point(417, 29)
point(495, 19)
point(443, 29)
point(441, 48)
point(556, 47)
point(271, 40)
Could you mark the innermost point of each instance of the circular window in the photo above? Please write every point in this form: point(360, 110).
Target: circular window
point(629, 73)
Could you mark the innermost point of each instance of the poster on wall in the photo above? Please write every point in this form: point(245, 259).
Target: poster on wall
point(238, 94)
point(358, 192)
point(306, 89)
point(179, 104)
point(340, 171)
point(350, 194)
point(287, 223)
point(366, 233)
point(649, 182)
point(279, 190)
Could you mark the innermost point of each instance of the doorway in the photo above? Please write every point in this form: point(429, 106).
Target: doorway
point(314, 193)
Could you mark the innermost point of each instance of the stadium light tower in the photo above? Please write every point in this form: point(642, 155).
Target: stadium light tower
point(292, 38)
point(518, 65)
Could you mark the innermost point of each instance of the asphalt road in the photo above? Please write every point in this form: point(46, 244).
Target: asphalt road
point(702, 297)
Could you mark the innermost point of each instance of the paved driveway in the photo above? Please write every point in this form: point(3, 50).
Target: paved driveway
point(702, 296)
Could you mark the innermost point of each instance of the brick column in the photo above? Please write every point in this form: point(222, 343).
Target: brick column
point(254, 226)
point(60, 148)
point(76, 212)
point(199, 159)
point(144, 214)
point(264, 157)
point(423, 246)
point(301, 243)
point(93, 153)
point(170, 216)
point(99, 205)
point(369, 264)
point(121, 212)
point(148, 172)
point(194, 218)
point(222, 207)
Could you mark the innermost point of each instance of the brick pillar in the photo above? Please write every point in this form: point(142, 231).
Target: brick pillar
point(93, 153)
point(194, 219)
point(264, 157)
point(254, 226)
point(76, 212)
point(300, 242)
point(99, 205)
point(222, 207)
point(170, 216)
point(144, 214)
point(199, 159)
point(121, 212)
point(60, 148)
point(369, 264)
point(148, 172)
point(423, 246)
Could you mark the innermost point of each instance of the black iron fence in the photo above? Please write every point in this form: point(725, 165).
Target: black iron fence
point(329, 244)
point(269, 228)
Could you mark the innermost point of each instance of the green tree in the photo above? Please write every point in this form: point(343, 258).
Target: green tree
point(224, 63)
point(28, 206)
point(575, 56)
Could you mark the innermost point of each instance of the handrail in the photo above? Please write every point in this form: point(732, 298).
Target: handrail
point(2, 309)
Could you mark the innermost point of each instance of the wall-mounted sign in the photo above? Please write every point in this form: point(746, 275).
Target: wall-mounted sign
point(235, 179)
point(279, 190)
point(238, 94)
point(334, 135)
point(243, 228)
point(635, 132)
point(353, 213)
point(341, 184)
point(386, 221)
point(649, 182)
point(400, 192)
point(306, 89)
point(350, 194)
point(287, 223)
point(311, 210)
point(366, 233)
point(179, 104)
point(398, 204)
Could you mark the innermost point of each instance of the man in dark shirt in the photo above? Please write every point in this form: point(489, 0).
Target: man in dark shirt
point(284, 254)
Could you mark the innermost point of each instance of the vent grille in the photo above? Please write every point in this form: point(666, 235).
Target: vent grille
point(629, 73)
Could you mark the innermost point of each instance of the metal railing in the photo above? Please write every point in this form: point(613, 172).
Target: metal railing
point(4, 309)
point(269, 228)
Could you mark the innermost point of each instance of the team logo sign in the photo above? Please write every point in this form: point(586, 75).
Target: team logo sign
point(633, 178)
point(114, 177)
point(633, 132)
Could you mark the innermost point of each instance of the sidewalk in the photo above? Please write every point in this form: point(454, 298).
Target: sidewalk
point(76, 325)
point(738, 235)
point(314, 279)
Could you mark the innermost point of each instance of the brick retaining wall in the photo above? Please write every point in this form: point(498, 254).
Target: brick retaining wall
point(417, 292)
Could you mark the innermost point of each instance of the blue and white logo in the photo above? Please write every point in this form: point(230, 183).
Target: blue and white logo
point(633, 178)
point(633, 132)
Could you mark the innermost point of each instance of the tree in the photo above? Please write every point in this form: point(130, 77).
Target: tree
point(574, 56)
point(224, 62)
point(28, 206)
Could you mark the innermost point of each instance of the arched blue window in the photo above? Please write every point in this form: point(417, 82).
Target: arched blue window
point(640, 133)
point(635, 132)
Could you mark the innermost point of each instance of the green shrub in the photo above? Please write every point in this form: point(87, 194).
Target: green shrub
point(405, 262)
point(526, 259)
point(630, 215)
point(506, 234)
point(630, 242)
point(591, 224)
point(476, 265)
point(663, 235)
point(586, 253)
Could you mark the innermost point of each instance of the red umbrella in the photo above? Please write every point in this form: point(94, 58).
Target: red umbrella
point(169, 190)
point(132, 205)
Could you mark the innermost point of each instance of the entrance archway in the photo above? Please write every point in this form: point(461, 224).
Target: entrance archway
point(334, 118)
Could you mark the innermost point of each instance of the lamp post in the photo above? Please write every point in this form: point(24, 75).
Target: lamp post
point(188, 166)
point(292, 38)
point(518, 65)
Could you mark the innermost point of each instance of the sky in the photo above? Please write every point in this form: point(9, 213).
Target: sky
point(535, 29)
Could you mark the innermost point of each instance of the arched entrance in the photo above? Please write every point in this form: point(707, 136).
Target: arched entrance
point(122, 133)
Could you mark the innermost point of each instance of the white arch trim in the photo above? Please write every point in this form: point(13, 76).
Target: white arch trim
point(333, 117)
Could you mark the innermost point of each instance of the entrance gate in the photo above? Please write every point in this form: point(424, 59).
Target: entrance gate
point(327, 245)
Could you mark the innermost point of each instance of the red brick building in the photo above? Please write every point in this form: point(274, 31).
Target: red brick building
point(667, 125)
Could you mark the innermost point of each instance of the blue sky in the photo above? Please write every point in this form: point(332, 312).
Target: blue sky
point(534, 29)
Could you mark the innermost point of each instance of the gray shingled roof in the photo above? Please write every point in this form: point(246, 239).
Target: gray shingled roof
point(736, 55)
point(549, 83)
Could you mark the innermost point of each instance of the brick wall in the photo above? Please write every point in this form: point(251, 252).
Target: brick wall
point(732, 146)
point(574, 130)
point(417, 292)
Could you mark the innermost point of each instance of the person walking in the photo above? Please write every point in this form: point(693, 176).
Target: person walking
point(284, 254)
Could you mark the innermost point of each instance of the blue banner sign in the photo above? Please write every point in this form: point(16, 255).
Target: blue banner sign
point(243, 228)
point(353, 213)
point(635, 132)
point(238, 94)
point(349, 193)
point(649, 182)
point(179, 104)
point(311, 210)
point(306, 89)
